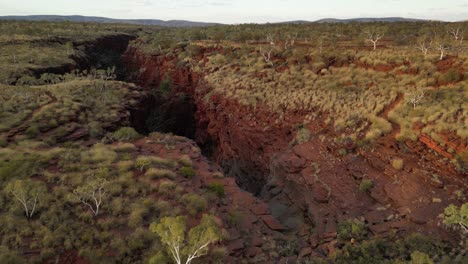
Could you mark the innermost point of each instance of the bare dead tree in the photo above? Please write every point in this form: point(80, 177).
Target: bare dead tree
point(415, 98)
point(290, 41)
point(320, 44)
point(374, 38)
point(455, 32)
point(441, 47)
point(110, 73)
point(271, 40)
point(267, 56)
point(424, 46)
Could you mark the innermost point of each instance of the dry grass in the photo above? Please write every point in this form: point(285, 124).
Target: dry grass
point(353, 92)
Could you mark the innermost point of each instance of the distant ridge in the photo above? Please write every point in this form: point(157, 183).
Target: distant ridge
point(360, 19)
point(157, 22)
point(369, 19)
point(186, 23)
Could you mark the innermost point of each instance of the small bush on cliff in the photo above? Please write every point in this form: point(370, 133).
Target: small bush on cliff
point(165, 87)
point(216, 188)
point(420, 258)
point(397, 164)
point(125, 133)
point(456, 217)
point(155, 173)
point(365, 185)
point(302, 135)
point(185, 160)
point(194, 203)
point(351, 229)
point(450, 76)
point(187, 172)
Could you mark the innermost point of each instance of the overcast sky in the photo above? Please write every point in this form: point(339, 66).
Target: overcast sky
point(241, 11)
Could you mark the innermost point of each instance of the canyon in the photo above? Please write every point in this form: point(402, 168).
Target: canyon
point(309, 187)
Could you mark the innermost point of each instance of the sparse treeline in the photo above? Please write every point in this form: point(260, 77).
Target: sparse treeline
point(355, 34)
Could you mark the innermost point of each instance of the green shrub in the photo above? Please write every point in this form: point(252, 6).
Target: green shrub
point(99, 153)
point(165, 87)
point(187, 172)
point(159, 258)
point(185, 161)
point(124, 147)
point(420, 258)
point(155, 173)
point(7, 256)
point(456, 217)
point(32, 131)
point(365, 185)
point(125, 134)
point(217, 188)
point(351, 229)
point(450, 76)
point(137, 215)
point(3, 142)
point(397, 164)
point(235, 217)
point(95, 129)
point(167, 187)
point(194, 203)
point(142, 162)
point(302, 135)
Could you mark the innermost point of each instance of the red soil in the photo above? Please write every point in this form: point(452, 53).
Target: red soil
point(312, 176)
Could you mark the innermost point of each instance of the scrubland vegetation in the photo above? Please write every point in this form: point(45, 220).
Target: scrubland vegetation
point(62, 184)
point(331, 73)
point(74, 182)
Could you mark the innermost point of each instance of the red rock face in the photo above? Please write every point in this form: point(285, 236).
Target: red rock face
point(311, 184)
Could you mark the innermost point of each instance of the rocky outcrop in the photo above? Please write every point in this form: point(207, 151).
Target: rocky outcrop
point(313, 183)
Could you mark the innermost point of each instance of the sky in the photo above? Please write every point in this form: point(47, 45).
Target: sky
point(241, 11)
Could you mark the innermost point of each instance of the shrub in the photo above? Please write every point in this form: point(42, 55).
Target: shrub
point(145, 161)
point(216, 188)
point(125, 133)
point(95, 129)
point(137, 215)
point(235, 217)
point(397, 164)
point(218, 175)
point(456, 217)
point(159, 258)
point(163, 162)
point(420, 258)
point(155, 173)
point(7, 256)
point(3, 142)
point(124, 147)
point(450, 76)
point(194, 203)
point(187, 172)
point(99, 153)
point(302, 135)
point(167, 187)
point(142, 162)
point(32, 131)
point(365, 185)
point(186, 161)
point(351, 229)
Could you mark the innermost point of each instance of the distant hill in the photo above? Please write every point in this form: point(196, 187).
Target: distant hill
point(185, 23)
point(157, 22)
point(369, 19)
point(362, 20)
